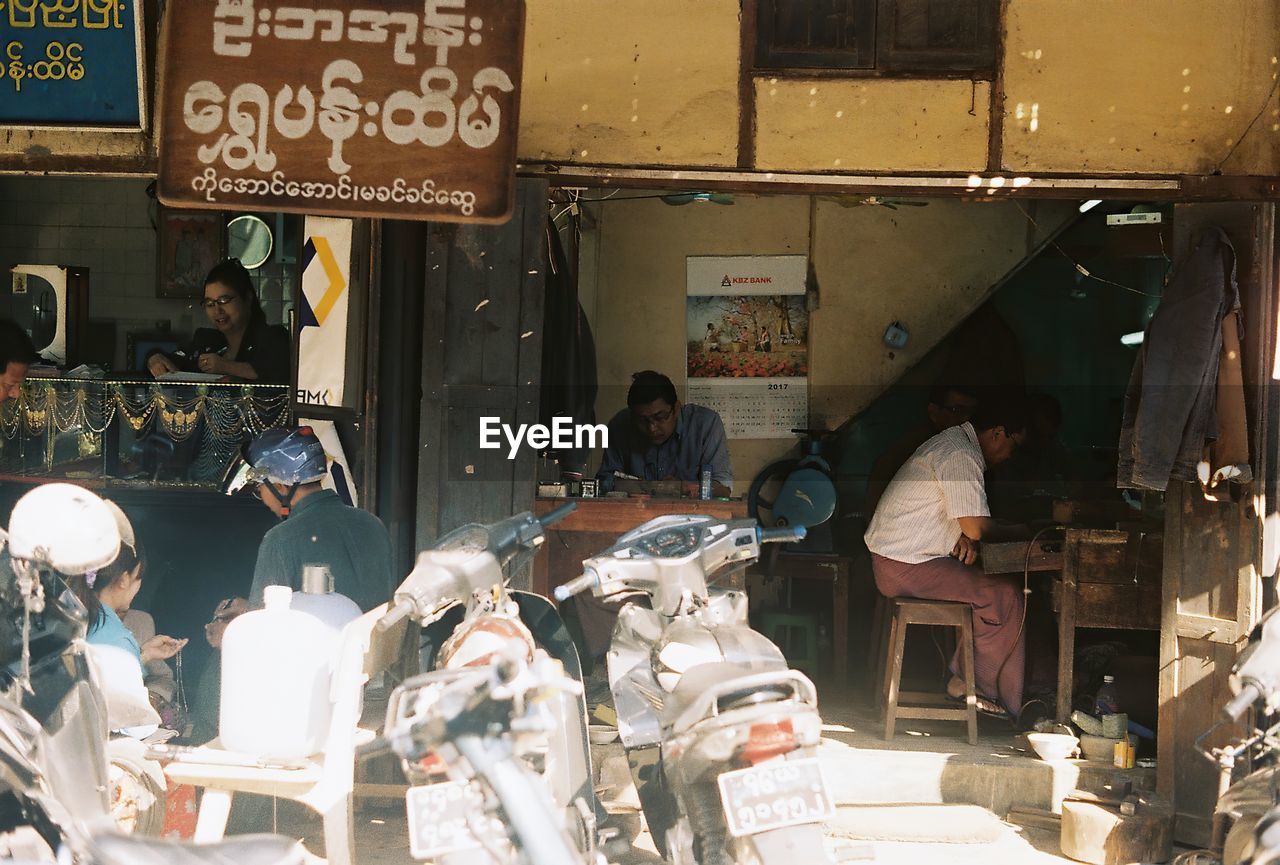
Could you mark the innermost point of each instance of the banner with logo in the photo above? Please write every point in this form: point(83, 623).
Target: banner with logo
point(339, 479)
point(323, 311)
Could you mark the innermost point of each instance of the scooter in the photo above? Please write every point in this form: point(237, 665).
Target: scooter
point(480, 724)
point(1247, 816)
point(458, 593)
point(54, 777)
point(736, 778)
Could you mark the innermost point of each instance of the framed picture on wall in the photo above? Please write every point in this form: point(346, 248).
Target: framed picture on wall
point(189, 245)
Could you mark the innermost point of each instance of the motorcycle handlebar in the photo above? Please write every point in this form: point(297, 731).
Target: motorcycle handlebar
point(575, 586)
point(558, 514)
point(1240, 703)
point(782, 535)
point(525, 806)
point(397, 612)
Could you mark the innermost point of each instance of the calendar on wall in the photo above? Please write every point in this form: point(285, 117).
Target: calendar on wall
point(756, 409)
point(747, 338)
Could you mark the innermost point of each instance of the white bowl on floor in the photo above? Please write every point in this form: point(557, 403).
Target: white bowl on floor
point(600, 734)
point(1053, 746)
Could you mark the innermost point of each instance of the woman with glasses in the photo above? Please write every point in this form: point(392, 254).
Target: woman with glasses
point(240, 344)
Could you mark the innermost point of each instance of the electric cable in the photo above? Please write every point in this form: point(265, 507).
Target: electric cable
point(1026, 593)
point(1080, 268)
point(1275, 80)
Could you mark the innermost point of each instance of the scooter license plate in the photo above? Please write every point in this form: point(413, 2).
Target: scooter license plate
point(774, 794)
point(438, 818)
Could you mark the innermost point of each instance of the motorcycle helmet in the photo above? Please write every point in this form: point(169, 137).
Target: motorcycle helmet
point(65, 528)
point(283, 456)
point(127, 536)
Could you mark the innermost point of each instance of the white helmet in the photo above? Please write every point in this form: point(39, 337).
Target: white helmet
point(127, 536)
point(63, 527)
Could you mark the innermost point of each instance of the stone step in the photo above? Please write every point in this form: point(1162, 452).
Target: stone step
point(932, 767)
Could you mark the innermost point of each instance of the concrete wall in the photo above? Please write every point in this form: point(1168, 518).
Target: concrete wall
point(927, 267)
point(102, 224)
point(1141, 86)
point(1091, 87)
point(875, 125)
point(652, 83)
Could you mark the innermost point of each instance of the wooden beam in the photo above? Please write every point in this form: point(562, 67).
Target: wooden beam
point(995, 114)
point(1056, 186)
point(1206, 628)
point(747, 86)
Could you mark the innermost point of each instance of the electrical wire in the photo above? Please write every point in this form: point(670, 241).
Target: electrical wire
point(1026, 593)
point(1275, 81)
point(630, 197)
point(1080, 268)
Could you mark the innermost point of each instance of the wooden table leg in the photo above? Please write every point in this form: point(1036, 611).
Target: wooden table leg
point(840, 619)
point(1066, 644)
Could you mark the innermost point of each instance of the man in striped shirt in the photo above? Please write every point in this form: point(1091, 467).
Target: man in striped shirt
point(924, 539)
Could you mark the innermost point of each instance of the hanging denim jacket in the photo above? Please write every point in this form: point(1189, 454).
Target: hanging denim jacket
point(1170, 412)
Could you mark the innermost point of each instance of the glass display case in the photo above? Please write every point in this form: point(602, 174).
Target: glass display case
point(134, 434)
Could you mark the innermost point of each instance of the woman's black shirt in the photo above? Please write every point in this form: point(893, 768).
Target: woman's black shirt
point(265, 347)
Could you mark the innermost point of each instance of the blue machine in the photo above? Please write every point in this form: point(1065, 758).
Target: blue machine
point(798, 492)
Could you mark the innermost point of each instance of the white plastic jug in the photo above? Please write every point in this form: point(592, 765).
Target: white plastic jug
point(318, 599)
point(276, 669)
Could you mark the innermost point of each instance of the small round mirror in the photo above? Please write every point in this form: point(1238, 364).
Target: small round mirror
point(249, 239)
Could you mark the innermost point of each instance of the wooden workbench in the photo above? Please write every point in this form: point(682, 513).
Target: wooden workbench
point(596, 524)
point(1109, 579)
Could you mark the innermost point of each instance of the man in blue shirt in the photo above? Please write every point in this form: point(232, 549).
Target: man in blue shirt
point(656, 438)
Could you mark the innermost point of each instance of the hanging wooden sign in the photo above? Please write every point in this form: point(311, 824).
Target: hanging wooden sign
point(404, 110)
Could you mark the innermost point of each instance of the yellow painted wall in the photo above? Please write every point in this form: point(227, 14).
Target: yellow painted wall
point(1101, 81)
point(640, 288)
point(1092, 87)
point(1151, 86)
point(614, 82)
point(873, 124)
point(925, 266)
point(1170, 86)
point(928, 267)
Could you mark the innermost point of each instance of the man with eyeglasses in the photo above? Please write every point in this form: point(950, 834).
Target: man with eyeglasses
point(924, 541)
point(656, 438)
point(949, 405)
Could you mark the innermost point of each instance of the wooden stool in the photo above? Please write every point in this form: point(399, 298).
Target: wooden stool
point(902, 612)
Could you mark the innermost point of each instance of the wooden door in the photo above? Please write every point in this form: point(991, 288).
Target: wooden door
point(481, 356)
point(1213, 560)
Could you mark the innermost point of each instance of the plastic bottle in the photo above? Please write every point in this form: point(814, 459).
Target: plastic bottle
point(318, 599)
point(705, 491)
point(276, 667)
point(1105, 703)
